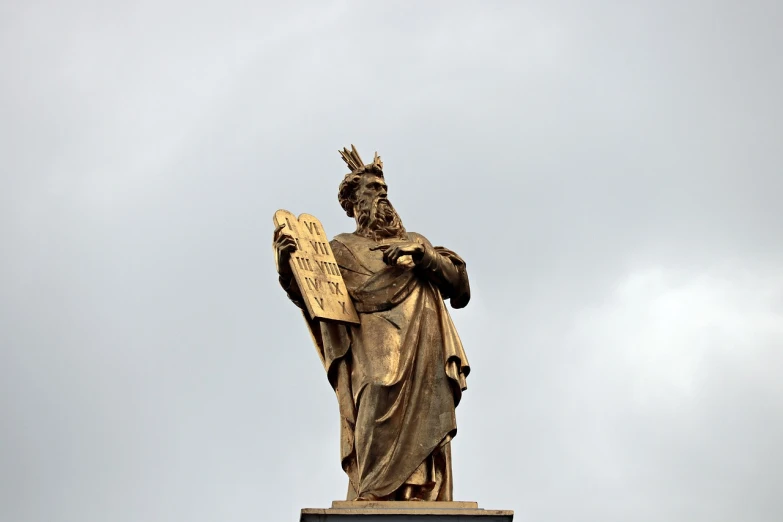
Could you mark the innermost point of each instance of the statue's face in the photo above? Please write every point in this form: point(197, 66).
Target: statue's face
point(371, 189)
point(374, 213)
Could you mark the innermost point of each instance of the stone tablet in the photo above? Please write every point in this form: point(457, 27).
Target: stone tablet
point(315, 269)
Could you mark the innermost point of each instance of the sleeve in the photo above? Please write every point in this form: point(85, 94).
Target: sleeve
point(447, 271)
point(460, 285)
point(288, 283)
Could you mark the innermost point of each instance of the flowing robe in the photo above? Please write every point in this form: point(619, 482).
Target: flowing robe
point(400, 374)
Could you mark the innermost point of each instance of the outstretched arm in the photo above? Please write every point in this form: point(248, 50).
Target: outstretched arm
point(440, 265)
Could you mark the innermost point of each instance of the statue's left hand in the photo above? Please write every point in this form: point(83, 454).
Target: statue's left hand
point(410, 248)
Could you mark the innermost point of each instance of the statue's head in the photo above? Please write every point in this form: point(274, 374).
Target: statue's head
point(363, 195)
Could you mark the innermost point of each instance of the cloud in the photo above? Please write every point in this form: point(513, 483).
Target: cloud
point(666, 327)
point(674, 389)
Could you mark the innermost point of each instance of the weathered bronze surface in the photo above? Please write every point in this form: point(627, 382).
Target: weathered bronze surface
point(400, 370)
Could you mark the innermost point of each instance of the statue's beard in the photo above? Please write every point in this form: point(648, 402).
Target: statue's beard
point(379, 220)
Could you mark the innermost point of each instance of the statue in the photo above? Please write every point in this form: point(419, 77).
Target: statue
point(388, 345)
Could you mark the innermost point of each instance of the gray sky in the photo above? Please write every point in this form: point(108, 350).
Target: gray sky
point(610, 171)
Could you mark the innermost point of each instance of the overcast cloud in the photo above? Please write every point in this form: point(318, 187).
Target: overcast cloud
point(611, 171)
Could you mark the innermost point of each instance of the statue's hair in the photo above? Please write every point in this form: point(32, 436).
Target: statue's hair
point(350, 183)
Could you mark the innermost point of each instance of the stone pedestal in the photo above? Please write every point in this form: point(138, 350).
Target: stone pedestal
point(348, 511)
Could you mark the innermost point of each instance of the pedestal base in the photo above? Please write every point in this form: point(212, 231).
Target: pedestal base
point(356, 511)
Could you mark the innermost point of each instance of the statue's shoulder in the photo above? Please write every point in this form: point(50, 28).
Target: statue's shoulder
point(456, 259)
point(415, 236)
point(352, 252)
point(348, 240)
point(349, 244)
point(342, 238)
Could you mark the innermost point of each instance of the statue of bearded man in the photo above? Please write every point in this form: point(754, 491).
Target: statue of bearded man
point(399, 375)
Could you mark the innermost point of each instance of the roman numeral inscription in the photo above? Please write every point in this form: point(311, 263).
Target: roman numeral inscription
point(320, 248)
point(304, 263)
point(314, 284)
point(312, 228)
point(316, 271)
point(328, 268)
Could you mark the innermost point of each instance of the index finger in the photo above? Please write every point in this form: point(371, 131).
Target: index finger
point(278, 228)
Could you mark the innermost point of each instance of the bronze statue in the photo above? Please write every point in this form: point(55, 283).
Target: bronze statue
point(400, 372)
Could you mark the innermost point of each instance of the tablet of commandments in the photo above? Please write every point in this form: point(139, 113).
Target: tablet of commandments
point(316, 270)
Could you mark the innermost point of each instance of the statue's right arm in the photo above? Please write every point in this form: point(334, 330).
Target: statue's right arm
point(291, 289)
point(284, 245)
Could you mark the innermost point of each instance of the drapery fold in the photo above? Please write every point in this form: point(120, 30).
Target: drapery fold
point(398, 376)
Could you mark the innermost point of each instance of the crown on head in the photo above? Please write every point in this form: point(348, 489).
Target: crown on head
point(355, 163)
